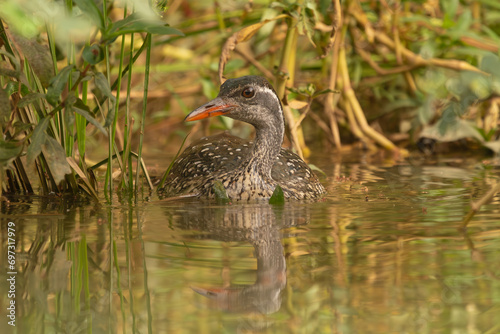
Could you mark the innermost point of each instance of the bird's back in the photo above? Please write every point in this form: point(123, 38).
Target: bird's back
point(215, 157)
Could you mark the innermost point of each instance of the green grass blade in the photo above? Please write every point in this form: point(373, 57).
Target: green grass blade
point(144, 105)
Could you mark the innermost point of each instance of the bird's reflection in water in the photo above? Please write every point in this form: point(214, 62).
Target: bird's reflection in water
point(261, 225)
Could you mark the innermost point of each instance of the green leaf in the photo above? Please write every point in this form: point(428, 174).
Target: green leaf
point(13, 87)
point(163, 30)
point(450, 9)
point(69, 112)
point(317, 169)
point(486, 136)
point(37, 140)
point(57, 85)
point(38, 56)
point(9, 73)
point(82, 109)
point(103, 86)
point(491, 64)
point(464, 21)
point(426, 112)
point(278, 196)
point(56, 159)
point(138, 23)
point(21, 127)
point(220, 192)
point(90, 9)
point(451, 130)
point(307, 20)
point(9, 150)
point(30, 98)
point(228, 122)
point(93, 54)
point(4, 106)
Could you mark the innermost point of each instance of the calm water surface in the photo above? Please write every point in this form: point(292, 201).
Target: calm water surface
point(380, 254)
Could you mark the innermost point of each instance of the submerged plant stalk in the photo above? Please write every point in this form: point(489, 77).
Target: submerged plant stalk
point(144, 106)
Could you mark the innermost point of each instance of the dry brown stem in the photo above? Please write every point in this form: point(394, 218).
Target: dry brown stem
point(293, 130)
point(334, 34)
point(303, 115)
point(352, 101)
point(382, 71)
point(331, 99)
point(256, 63)
point(354, 127)
point(476, 206)
point(240, 36)
point(323, 126)
point(410, 56)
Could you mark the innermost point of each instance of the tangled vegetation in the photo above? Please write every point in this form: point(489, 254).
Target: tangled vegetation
point(389, 74)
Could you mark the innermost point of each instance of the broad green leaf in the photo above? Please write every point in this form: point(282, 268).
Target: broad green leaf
point(220, 192)
point(90, 9)
point(491, 64)
point(461, 26)
point(57, 85)
point(93, 54)
point(480, 86)
point(37, 140)
point(56, 159)
point(30, 98)
point(103, 86)
point(9, 150)
point(163, 30)
point(138, 23)
point(426, 111)
point(454, 130)
point(69, 112)
point(400, 103)
point(82, 109)
point(38, 56)
point(278, 196)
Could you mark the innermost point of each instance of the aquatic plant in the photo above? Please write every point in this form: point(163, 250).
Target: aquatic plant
point(46, 114)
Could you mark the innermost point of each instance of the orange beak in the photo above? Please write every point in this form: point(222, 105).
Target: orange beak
point(213, 108)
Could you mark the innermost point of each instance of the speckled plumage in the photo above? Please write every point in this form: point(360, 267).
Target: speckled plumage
point(248, 170)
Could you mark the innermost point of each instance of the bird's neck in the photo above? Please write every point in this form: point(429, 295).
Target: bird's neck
point(267, 145)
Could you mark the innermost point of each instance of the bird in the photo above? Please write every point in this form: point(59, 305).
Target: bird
point(248, 170)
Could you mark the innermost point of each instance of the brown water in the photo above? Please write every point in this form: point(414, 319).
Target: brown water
point(381, 254)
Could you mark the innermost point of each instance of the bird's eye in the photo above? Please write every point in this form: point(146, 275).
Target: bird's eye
point(248, 92)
